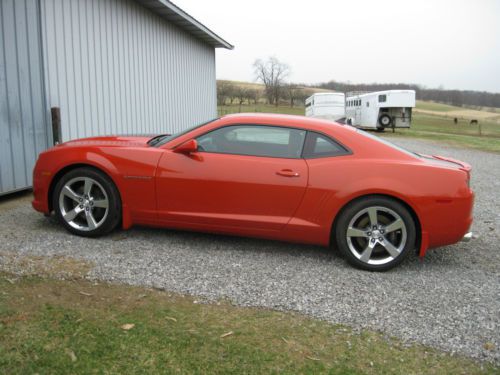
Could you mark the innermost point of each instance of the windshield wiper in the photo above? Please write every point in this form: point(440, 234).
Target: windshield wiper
point(157, 139)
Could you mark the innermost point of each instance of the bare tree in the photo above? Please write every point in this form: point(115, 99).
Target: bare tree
point(224, 91)
point(241, 95)
point(294, 93)
point(254, 95)
point(272, 74)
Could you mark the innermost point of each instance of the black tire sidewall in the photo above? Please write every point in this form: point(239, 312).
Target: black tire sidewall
point(352, 209)
point(114, 213)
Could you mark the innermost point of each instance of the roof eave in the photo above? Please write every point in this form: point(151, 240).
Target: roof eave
point(181, 19)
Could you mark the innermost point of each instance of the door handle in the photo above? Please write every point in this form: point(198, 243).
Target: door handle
point(288, 173)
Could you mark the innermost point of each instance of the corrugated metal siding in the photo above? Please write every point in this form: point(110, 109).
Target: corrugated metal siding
point(23, 114)
point(114, 67)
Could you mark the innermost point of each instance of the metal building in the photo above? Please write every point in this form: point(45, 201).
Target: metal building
point(110, 66)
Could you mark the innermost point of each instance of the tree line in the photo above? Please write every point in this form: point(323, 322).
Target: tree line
point(454, 97)
point(273, 73)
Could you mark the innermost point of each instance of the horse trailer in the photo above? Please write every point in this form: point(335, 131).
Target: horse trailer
point(381, 109)
point(327, 105)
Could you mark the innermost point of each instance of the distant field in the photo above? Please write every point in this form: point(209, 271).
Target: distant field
point(445, 110)
point(437, 107)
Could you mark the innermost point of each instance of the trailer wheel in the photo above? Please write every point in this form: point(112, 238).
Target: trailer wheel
point(385, 120)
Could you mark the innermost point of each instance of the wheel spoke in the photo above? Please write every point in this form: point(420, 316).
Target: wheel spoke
point(395, 225)
point(68, 192)
point(355, 232)
point(391, 249)
point(367, 252)
point(70, 215)
point(90, 220)
point(102, 203)
point(372, 213)
point(87, 187)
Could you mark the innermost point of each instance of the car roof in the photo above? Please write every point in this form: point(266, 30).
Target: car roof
point(304, 122)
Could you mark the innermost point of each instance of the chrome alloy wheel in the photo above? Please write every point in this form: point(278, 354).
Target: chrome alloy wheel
point(83, 203)
point(376, 235)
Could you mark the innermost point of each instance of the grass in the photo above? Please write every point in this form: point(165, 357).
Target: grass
point(439, 128)
point(57, 327)
point(433, 106)
point(443, 130)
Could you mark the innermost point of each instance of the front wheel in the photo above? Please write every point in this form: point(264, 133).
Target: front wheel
point(87, 202)
point(375, 233)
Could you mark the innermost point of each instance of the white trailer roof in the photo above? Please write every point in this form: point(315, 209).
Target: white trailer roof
point(381, 93)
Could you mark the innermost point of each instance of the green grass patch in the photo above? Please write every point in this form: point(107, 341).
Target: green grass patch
point(439, 107)
point(60, 327)
point(443, 130)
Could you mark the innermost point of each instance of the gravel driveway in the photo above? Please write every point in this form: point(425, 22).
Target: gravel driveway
point(451, 300)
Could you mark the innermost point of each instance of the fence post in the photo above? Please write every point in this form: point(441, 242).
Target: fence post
point(56, 124)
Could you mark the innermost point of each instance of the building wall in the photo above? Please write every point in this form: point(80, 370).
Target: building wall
point(114, 67)
point(24, 116)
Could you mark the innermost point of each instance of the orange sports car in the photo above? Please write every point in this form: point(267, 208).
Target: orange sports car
point(280, 177)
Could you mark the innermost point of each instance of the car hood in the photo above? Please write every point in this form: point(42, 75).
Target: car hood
point(109, 141)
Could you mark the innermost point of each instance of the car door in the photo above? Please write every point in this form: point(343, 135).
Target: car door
point(243, 176)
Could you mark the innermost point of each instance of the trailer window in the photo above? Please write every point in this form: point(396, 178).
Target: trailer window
point(382, 98)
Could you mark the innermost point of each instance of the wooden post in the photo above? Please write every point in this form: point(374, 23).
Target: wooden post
point(56, 124)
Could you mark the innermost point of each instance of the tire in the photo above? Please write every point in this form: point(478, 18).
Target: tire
point(385, 121)
point(377, 249)
point(87, 202)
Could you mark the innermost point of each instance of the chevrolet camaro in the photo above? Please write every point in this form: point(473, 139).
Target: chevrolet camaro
point(287, 178)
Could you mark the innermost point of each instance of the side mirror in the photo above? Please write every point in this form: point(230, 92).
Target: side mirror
point(187, 147)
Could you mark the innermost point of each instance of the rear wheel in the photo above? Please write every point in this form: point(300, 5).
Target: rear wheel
point(375, 233)
point(87, 202)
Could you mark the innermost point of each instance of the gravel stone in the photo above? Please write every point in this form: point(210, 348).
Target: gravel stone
point(450, 300)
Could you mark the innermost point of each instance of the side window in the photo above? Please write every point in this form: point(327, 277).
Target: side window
point(320, 146)
point(367, 104)
point(255, 140)
point(382, 98)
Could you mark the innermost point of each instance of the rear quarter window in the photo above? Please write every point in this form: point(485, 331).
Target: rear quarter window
point(320, 146)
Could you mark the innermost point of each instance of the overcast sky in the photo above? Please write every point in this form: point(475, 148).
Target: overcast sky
point(454, 44)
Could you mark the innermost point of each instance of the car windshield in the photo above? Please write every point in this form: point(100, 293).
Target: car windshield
point(161, 140)
point(387, 143)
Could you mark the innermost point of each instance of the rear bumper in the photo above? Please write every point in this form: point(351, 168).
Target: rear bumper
point(447, 222)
